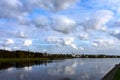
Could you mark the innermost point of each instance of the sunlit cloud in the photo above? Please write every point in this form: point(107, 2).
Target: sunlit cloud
point(27, 42)
point(63, 24)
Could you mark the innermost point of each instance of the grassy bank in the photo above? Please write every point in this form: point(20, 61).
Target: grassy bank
point(117, 75)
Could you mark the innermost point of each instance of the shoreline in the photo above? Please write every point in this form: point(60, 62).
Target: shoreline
point(113, 74)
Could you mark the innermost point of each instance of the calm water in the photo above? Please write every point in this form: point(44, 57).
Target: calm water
point(69, 69)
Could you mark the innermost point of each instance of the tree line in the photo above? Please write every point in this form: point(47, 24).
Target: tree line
point(28, 54)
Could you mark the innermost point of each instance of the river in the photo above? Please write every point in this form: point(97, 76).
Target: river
point(68, 69)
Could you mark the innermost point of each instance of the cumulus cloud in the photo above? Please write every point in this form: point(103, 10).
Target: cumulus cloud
point(5, 44)
point(7, 48)
point(54, 39)
point(59, 5)
point(83, 36)
point(74, 46)
point(10, 9)
point(51, 5)
point(103, 42)
point(63, 41)
point(114, 29)
point(98, 20)
point(23, 19)
point(115, 23)
point(22, 35)
point(105, 15)
point(15, 8)
point(27, 42)
point(94, 44)
point(41, 21)
point(81, 48)
point(68, 40)
point(116, 34)
point(9, 42)
point(63, 24)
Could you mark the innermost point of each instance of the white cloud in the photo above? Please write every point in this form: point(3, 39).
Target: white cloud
point(83, 36)
point(73, 46)
point(114, 29)
point(54, 5)
point(116, 23)
point(65, 41)
point(16, 48)
point(7, 48)
point(22, 35)
point(41, 21)
point(17, 8)
point(116, 34)
point(10, 9)
point(81, 48)
point(44, 50)
point(94, 44)
point(54, 39)
point(22, 19)
point(98, 20)
point(68, 40)
point(103, 42)
point(27, 42)
point(9, 42)
point(63, 24)
point(103, 15)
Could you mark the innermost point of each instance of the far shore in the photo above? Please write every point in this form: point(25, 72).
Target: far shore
point(18, 55)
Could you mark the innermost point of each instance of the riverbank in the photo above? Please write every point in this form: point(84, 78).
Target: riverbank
point(114, 74)
point(117, 75)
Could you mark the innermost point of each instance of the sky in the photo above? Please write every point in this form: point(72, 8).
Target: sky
point(61, 26)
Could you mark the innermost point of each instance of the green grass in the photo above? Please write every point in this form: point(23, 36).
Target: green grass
point(117, 75)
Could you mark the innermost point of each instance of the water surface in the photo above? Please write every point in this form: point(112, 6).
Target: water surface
point(69, 69)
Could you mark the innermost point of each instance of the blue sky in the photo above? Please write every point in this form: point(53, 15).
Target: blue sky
point(61, 26)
